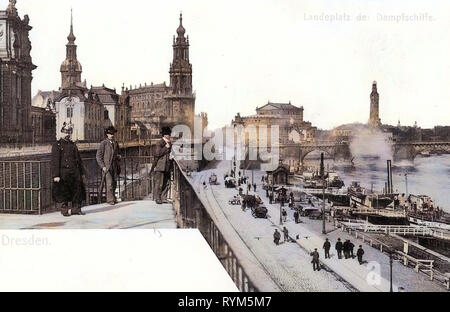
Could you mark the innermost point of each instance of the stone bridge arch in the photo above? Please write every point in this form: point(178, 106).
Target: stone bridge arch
point(411, 150)
point(305, 151)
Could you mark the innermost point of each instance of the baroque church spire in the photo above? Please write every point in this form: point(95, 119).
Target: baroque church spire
point(71, 36)
point(71, 68)
point(181, 68)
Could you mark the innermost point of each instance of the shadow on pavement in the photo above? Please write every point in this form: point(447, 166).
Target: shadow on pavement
point(107, 208)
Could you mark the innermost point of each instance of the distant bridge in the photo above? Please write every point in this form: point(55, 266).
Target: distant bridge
point(411, 149)
point(408, 150)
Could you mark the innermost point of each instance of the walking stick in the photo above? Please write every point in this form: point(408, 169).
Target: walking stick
point(100, 191)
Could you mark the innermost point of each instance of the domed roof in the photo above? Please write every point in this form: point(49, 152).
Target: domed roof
point(66, 64)
point(181, 31)
point(71, 36)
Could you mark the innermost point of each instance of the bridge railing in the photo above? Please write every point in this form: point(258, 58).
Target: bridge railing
point(193, 211)
point(26, 186)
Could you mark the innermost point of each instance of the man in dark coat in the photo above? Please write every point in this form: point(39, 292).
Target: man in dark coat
point(346, 249)
point(67, 173)
point(162, 167)
point(315, 260)
point(276, 237)
point(286, 234)
point(296, 216)
point(350, 249)
point(284, 214)
point(360, 254)
point(339, 248)
point(108, 159)
point(327, 247)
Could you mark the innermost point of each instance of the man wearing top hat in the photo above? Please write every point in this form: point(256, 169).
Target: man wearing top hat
point(162, 167)
point(67, 173)
point(108, 159)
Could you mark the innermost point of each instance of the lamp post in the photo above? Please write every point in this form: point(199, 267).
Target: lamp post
point(322, 173)
point(281, 212)
point(406, 183)
point(390, 251)
point(323, 208)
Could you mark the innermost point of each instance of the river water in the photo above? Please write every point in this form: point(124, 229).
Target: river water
point(426, 175)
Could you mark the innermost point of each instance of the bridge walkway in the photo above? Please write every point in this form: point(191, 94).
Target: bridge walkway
point(144, 214)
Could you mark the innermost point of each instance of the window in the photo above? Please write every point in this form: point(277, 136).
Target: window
point(69, 112)
point(106, 114)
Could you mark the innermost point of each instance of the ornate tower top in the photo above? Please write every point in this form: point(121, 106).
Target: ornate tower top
point(181, 31)
point(71, 69)
point(181, 68)
point(71, 36)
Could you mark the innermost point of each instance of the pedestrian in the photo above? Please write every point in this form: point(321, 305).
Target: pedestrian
point(296, 216)
point(315, 260)
point(339, 248)
point(244, 204)
point(351, 246)
point(108, 159)
point(360, 254)
point(346, 249)
point(326, 247)
point(271, 198)
point(286, 234)
point(254, 187)
point(162, 165)
point(276, 237)
point(267, 192)
point(68, 174)
point(249, 186)
point(284, 214)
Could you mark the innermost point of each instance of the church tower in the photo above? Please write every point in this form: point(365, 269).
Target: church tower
point(374, 120)
point(181, 69)
point(181, 98)
point(71, 69)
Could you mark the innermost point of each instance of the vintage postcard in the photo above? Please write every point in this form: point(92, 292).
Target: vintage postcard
point(269, 146)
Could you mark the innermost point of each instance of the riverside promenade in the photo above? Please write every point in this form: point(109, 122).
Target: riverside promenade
point(289, 264)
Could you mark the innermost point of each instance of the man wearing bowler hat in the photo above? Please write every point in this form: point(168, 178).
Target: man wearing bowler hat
point(108, 159)
point(67, 172)
point(162, 167)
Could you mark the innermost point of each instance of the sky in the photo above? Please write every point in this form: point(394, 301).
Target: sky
point(319, 54)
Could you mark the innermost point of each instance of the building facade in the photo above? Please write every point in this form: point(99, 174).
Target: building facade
point(45, 99)
point(16, 68)
point(43, 124)
point(156, 105)
point(288, 118)
point(116, 113)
